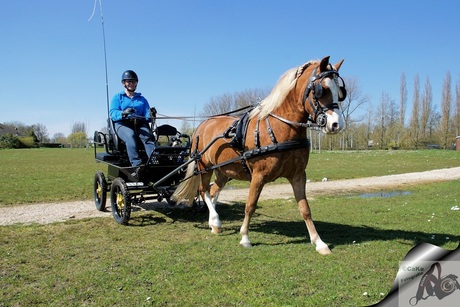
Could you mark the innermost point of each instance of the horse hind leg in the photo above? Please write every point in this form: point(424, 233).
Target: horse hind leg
point(214, 221)
point(210, 197)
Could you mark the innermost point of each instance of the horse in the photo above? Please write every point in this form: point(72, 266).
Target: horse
point(275, 144)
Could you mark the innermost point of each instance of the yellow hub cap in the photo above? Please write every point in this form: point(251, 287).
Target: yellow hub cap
point(120, 201)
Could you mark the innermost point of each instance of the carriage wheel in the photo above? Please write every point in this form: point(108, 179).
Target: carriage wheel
point(121, 201)
point(100, 190)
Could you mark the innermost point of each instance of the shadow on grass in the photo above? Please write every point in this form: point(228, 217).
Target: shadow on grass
point(332, 233)
point(341, 234)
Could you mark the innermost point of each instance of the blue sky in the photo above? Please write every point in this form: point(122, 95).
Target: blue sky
point(186, 52)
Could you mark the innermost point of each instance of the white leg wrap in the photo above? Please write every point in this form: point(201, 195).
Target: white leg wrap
point(322, 247)
point(245, 241)
point(214, 221)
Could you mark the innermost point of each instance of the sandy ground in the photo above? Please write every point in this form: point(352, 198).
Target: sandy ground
point(58, 212)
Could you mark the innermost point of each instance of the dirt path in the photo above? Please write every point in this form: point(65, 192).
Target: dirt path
point(57, 212)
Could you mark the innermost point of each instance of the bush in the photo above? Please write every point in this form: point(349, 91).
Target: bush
point(26, 142)
point(9, 141)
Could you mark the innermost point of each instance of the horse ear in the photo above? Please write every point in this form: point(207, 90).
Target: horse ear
point(337, 66)
point(324, 63)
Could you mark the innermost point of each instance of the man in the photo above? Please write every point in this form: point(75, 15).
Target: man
point(130, 112)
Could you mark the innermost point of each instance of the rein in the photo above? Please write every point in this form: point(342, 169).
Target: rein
point(308, 124)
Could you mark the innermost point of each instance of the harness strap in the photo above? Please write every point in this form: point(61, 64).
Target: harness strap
point(290, 122)
point(256, 134)
point(283, 146)
point(270, 131)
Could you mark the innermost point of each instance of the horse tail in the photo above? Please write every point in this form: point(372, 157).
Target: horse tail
point(188, 189)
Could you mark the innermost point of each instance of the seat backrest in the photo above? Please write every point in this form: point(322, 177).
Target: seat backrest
point(115, 143)
point(166, 130)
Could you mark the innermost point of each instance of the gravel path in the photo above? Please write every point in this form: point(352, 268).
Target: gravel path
point(58, 212)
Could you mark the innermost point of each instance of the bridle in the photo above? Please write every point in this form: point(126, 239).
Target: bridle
point(315, 88)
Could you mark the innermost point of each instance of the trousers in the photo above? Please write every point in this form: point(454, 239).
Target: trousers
point(130, 133)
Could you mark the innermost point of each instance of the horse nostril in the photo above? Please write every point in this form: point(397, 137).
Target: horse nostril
point(335, 125)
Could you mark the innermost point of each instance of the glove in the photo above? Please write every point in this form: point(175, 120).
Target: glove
point(127, 112)
point(153, 112)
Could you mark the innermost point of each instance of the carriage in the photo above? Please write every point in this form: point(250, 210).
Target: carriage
point(267, 142)
point(162, 170)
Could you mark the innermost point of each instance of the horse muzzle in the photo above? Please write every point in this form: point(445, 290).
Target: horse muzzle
point(331, 122)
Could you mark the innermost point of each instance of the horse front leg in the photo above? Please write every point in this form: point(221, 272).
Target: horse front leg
point(301, 198)
point(251, 204)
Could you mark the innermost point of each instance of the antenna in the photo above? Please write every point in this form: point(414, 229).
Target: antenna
point(105, 52)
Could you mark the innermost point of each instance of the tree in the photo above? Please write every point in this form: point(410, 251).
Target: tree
point(41, 132)
point(369, 126)
point(77, 139)
point(230, 102)
point(445, 111)
point(186, 128)
point(456, 116)
point(79, 127)
point(426, 110)
point(402, 100)
point(355, 100)
point(59, 138)
point(414, 126)
point(386, 119)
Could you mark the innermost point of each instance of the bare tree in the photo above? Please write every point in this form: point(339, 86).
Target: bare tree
point(414, 121)
point(381, 119)
point(354, 101)
point(218, 105)
point(59, 137)
point(230, 102)
point(426, 109)
point(456, 116)
point(369, 126)
point(41, 132)
point(445, 111)
point(402, 99)
point(79, 127)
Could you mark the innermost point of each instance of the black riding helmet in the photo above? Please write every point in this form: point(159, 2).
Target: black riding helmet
point(129, 75)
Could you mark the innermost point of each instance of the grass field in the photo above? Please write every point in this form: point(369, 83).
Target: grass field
point(168, 257)
point(50, 175)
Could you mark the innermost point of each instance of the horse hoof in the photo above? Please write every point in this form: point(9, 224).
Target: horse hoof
point(246, 244)
point(215, 229)
point(324, 251)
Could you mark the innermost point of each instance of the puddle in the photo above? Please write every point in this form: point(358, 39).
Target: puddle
point(385, 194)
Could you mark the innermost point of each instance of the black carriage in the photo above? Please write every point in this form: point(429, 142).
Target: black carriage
point(157, 178)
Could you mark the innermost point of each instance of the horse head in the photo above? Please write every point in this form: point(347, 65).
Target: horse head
point(322, 94)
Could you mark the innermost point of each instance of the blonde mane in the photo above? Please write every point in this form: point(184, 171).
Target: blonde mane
point(279, 92)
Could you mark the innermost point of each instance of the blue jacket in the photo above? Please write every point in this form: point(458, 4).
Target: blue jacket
point(121, 102)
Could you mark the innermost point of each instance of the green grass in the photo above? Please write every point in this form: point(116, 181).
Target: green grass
point(50, 175)
point(46, 175)
point(169, 257)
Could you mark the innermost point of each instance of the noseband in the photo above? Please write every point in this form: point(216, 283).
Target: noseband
point(316, 89)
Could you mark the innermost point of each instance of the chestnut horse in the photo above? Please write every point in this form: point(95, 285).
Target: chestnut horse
point(274, 146)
